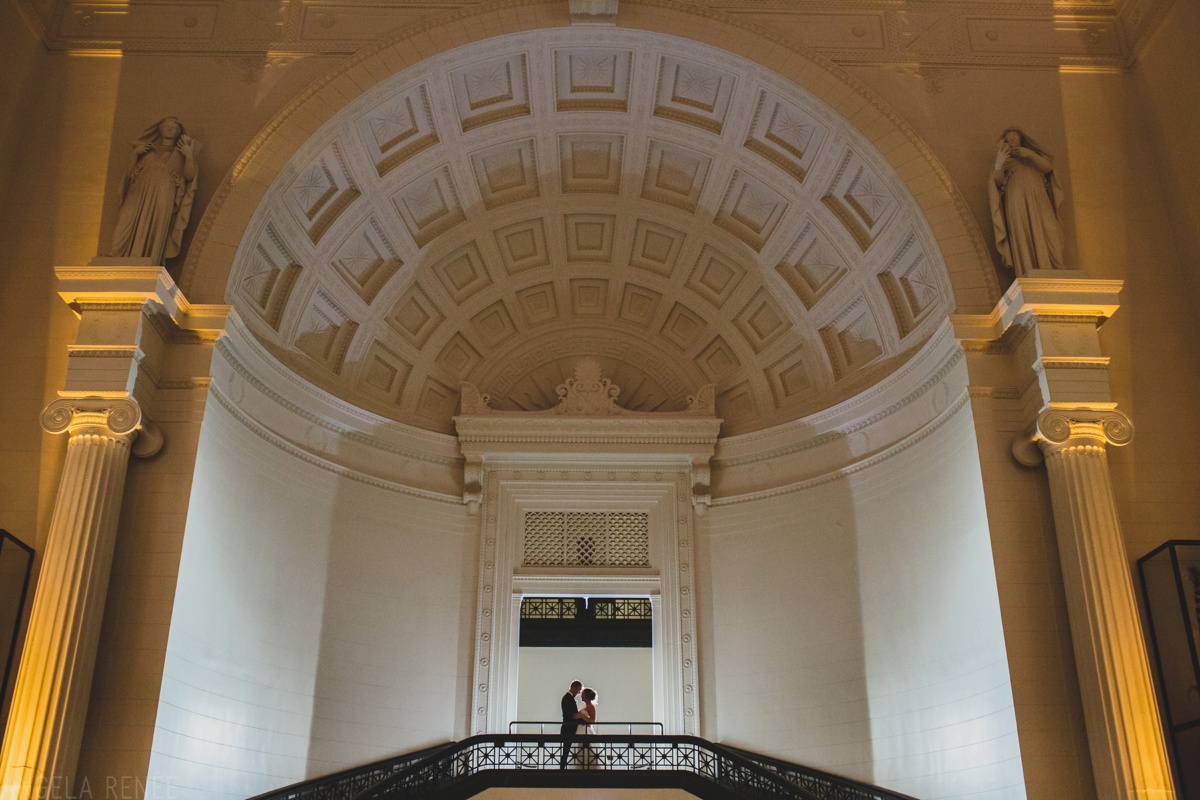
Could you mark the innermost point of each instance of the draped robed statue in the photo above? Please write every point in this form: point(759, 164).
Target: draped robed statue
point(156, 193)
point(1025, 194)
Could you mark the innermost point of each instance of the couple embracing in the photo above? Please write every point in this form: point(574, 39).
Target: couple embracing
point(577, 719)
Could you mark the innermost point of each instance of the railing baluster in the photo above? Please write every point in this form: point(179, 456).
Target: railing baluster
point(432, 772)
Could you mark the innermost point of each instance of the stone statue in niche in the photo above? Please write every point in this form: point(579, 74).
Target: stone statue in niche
point(156, 194)
point(1025, 195)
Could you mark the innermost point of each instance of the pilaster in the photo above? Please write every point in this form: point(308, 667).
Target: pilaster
point(130, 320)
point(1042, 340)
point(45, 725)
point(1129, 758)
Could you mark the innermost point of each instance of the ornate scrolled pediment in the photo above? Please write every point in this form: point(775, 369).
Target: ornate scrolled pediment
point(587, 421)
point(587, 394)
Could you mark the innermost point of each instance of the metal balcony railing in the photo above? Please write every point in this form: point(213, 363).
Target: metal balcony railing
point(686, 762)
point(462, 769)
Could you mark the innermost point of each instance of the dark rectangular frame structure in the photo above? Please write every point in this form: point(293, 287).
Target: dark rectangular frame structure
point(11, 544)
point(1172, 633)
point(586, 622)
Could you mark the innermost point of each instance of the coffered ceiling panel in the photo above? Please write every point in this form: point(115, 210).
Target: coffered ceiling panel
point(677, 213)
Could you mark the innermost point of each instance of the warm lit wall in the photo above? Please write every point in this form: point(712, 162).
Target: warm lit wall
point(855, 624)
point(1168, 80)
point(317, 624)
point(1124, 142)
point(1124, 145)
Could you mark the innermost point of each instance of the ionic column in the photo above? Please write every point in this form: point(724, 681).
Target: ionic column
point(1129, 758)
point(45, 724)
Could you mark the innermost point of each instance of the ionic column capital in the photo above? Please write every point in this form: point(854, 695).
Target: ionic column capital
point(1059, 428)
point(117, 418)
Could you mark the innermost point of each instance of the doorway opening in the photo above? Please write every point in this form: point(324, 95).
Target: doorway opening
point(605, 642)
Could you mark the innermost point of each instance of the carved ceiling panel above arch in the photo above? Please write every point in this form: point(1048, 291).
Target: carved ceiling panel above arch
point(676, 212)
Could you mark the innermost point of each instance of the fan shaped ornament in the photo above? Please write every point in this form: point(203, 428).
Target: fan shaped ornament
point(588, 394)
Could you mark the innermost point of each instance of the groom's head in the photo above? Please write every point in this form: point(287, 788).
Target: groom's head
point(576, 686)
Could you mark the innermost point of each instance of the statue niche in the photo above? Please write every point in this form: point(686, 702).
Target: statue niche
point(1024, 194)
point(156, 194)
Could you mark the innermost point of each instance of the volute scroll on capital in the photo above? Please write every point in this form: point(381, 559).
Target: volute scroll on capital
point(119, 418)
point(1056, 428)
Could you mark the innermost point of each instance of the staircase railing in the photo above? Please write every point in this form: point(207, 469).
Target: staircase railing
point(695, 764)
point(461, 769)
point(822, 785)
point(349, 782)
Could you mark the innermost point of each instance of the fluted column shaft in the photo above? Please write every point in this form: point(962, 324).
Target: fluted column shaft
point(45, 725)
point(1128, 752)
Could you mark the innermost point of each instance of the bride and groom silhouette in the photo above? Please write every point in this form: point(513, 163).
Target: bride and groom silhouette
point(578, 718)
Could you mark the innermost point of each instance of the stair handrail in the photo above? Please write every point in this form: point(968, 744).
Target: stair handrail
point(825, 785)
point(730, 771)
point(352, 780)
point(766, 777)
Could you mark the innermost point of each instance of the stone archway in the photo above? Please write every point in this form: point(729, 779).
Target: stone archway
point(490, 211)
point(473, 210)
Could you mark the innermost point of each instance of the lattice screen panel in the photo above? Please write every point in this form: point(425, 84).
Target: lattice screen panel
point(587, 539)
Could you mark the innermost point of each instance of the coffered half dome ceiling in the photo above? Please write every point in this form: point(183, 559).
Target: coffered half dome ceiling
point(677, 213)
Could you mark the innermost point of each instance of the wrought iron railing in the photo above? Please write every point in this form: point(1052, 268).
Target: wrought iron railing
point(461, 769)
point(687, 762)
point(822, 785)
point(350, 782)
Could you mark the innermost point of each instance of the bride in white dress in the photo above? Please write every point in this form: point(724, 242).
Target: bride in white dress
point(586, 727)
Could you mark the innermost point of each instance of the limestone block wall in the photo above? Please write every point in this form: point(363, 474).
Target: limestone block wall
point(316, 622)
point(854, 624)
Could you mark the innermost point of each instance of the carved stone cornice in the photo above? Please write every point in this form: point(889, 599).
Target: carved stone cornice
point(587, 420)
point(116, 418)
point(587, 430)
point(587, 394)
point(587, 413)
point(960, 38)
point(130, 288)
point(1048, 299)
point(1060, 428)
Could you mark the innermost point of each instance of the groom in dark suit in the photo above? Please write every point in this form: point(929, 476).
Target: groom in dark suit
point(569, 721)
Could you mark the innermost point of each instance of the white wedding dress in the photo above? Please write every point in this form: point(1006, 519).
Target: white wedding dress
point(587, 758)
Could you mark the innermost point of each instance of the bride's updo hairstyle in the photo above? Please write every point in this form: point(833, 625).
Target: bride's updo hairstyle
point(589, 694)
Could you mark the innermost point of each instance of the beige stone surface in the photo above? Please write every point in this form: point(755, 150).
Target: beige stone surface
point(1118, 116)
